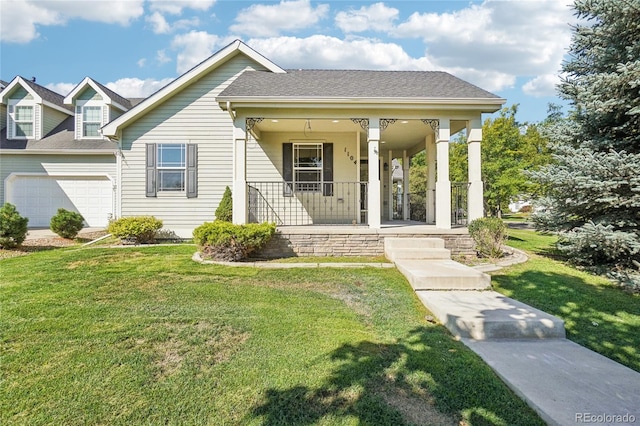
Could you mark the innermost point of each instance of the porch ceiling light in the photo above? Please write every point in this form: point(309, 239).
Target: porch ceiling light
point(274, 121)
point(404, 122)
point(335, 121)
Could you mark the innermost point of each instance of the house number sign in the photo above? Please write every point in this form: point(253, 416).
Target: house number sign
point(350, 156)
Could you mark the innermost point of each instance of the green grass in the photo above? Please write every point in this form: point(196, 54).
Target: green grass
point(597, 313)
point(517, 217)
point(146, 336)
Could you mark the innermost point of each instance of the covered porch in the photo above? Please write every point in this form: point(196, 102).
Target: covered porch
point(343, 170)
point(317, 147)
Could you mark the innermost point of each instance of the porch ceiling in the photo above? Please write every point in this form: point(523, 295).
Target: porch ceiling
point(401, 135)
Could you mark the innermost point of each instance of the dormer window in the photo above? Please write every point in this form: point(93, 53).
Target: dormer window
point(91, 121)
point(23, 121)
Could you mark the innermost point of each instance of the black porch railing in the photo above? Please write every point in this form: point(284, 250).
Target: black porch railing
point(332, 203)
point(418, 204)
point(459, 203)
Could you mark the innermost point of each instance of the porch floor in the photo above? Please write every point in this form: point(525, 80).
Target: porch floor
point(387, 227)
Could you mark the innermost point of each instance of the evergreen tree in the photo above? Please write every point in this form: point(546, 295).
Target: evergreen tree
point(593, 186)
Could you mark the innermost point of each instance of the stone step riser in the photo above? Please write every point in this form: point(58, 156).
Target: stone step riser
point(449, 283)
point(417, 254)
point(413, 243)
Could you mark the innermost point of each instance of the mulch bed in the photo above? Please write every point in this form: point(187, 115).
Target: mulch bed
point(39, 244)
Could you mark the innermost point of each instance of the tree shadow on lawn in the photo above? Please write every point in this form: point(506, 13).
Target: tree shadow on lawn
point(600, 317)
point(427, 378)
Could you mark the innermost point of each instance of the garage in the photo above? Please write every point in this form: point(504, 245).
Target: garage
point(39, 197)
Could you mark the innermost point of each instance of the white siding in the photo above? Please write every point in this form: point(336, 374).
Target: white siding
point(37, 122)
point(264, 164)
point(77, 165)
point(190, 116)
point(51, 118)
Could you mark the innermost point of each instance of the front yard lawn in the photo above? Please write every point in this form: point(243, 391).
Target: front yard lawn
point(147, 336)
point(597, 313)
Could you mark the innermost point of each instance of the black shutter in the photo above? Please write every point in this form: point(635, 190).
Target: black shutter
point(192, 170)
point(287, 169)
point(151, 170)
point(327, 169)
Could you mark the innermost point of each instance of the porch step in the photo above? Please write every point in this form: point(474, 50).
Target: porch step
point(483, 315)
point(443, 274)
point(418, 253)
point(415, 248)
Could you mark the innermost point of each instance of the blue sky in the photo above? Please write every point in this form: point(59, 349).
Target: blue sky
point(513, 48)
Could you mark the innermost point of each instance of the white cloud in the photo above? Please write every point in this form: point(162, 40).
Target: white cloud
point(327, 52)
point(543, 85)
point(376, 17)
point(127, 87)
point(194, 47)
point(19, 18)
point(507, 38)
point(261, 20)
point(137, 88)
point(175, 7)
point(62, 88)
point(160, 25)
point(142, 62)
point(161, 57)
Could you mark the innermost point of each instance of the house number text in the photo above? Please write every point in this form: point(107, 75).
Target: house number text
point(350, 156)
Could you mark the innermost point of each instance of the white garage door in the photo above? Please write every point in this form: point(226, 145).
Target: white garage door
point(40, 197)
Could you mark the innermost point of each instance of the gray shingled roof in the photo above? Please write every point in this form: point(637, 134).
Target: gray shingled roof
point(114, 96)
point(62, 137)
point(48, 95)
point(353, 84)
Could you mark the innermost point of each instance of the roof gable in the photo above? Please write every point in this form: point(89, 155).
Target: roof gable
point(108, 95)
point(209, 64)
point(40, 94)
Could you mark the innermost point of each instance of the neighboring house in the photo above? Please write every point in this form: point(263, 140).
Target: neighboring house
point(52, 153)
point(297, 147)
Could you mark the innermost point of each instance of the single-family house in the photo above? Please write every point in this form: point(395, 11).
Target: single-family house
point(297, 147)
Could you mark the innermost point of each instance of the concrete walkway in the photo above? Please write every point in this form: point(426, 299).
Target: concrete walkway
point(563, 382)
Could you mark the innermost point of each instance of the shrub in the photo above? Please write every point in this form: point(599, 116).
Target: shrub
point(67, 224)
point(489, 234)
point(221, 240)
point(13, 227)
point(224, 212)
point(141, 229)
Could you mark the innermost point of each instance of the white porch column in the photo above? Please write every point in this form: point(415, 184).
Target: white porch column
point(475, 197)
point(405, 186)
point(390, 186)
point(443, 184)
point(431, 179)
point(239, 172)
point(373, 196)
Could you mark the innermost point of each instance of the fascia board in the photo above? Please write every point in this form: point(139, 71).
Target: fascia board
point(57, 108)
point(185, 79)
point(68, 100)
point(88, 81)
point(490, 104)
point(19, 81)
point(58, 151)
